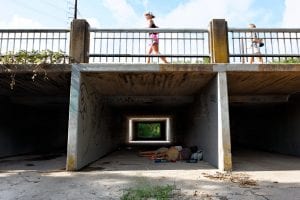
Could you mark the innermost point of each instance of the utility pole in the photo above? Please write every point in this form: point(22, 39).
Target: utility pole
point(75, 10)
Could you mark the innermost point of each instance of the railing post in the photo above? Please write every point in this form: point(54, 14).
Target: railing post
point(219, 41)
point(79, 41)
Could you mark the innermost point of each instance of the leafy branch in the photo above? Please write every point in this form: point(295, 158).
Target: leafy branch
point(36, 58)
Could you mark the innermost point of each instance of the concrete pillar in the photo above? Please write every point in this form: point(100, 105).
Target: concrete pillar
point(224, 144)
point(209, 123)
point(219, 41)
point(79, 41)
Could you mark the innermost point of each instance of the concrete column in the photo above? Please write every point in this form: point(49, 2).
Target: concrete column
point(219, 41)
point(209, 123)
point(79, 41)
point(74, 120)
point(224, 144)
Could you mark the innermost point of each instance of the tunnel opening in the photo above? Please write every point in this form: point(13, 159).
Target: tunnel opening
point(34, 113)
point(148, 130)
point(32, 128)
point(264, 114)
point(111, 105)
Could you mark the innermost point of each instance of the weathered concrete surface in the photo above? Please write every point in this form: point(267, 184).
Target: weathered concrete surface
point(271, 176)
point(208, 123)
point(79, 41)
point(168, 89)
point(90, 134)
point(52, 81)
point(224, 142)
point(219, 41)
point(98, 92)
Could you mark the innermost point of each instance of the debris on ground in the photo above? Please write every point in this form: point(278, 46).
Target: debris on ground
point(173, 154)
point(242, 179)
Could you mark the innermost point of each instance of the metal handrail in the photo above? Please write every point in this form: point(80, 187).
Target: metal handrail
point(279, 43)
point(14, 40)
point(179, 45)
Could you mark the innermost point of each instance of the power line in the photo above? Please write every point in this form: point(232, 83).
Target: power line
point(54, 5)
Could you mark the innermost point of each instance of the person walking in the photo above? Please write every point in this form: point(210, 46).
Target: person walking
point(256, 43)
point(154, 45)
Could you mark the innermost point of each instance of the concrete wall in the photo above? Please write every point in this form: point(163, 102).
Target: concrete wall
point(203, 123)
point(208, 127)
point(91, 132)
point(32, 129)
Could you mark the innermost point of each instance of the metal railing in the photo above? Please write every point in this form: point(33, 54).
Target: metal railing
point(132, 45)
point(177, 45)
point(14, 40)
point(280, 45)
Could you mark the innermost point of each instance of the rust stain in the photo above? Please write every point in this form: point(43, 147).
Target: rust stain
point(70, 163)
point(187, 67)
point(227, 163)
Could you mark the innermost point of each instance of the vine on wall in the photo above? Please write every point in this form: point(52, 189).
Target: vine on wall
point(38, 59)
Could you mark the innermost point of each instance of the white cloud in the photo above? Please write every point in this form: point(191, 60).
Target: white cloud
point(291, 14)
point(94, 23)
point(123, 12)
point(145, 4)
point(198, 13)
point(20, 22)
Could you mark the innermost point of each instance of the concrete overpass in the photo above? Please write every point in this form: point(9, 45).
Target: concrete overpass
point(88, 110)
point(218, 107)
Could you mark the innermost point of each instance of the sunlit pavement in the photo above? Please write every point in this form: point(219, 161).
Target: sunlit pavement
point(256, 176)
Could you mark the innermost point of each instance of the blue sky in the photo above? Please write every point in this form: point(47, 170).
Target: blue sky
point(169, 13)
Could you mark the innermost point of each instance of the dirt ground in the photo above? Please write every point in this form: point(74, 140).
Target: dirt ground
point(257, 176)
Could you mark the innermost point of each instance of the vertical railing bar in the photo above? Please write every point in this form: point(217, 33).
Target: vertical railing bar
point(46, 41)
point(120, 45)
point(107, 40)
point(139, 46)
point(196, 42)
point(93, 35)
point(184, 40)
point(65, 47)
point(7, 43)
point(101, 41)
point(14, 41)
point(297, 41)
point(52, 41)
point(291, 45)
point(284, 43)
point(132, 46)
point(126, 46)
point(58, 43)
point(171, 38)
point(1, 43)
point(40, 41)
point(33, 41)
point(26, 46)
point(113, 46)
point(278, 45)
point(233, 46)
point(190, 45)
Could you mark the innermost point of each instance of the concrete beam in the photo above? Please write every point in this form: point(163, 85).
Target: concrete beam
point(259, 98)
